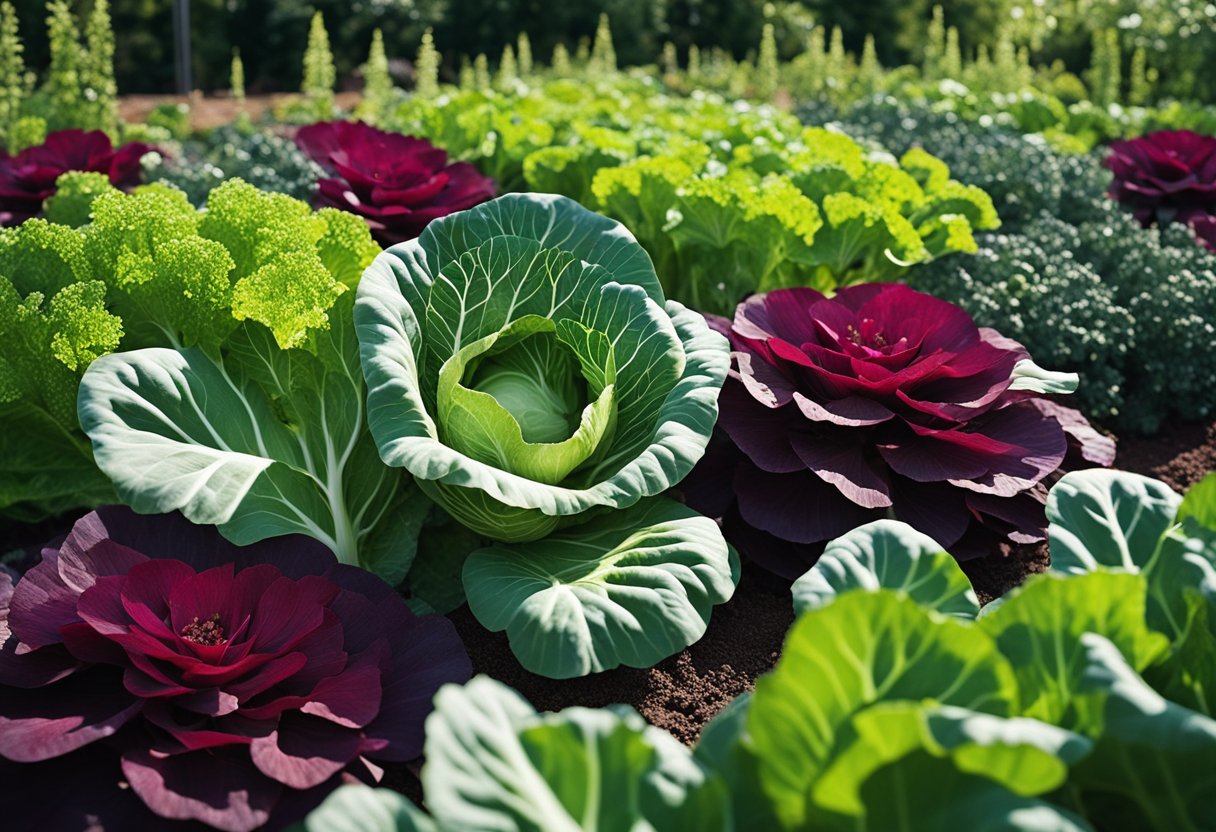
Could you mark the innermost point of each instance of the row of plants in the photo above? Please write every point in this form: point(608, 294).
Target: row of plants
point(938, 714)
point(933, 713)
point(521, 406)
point(1081, 700)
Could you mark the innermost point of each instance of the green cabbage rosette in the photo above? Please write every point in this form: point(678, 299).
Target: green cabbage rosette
point(523, 365)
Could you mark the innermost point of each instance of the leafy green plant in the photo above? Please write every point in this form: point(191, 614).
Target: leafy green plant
point(249, 413)
point(726, 199)
point(239, 400)
point(1041, 710)
point(320, 76)
point(524, 366)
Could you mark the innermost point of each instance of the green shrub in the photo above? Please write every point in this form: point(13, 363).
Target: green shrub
point(1043, 297)
point(267, 161)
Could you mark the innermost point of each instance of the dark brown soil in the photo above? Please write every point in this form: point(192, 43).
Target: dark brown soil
point(680, 694)
point(745, 635)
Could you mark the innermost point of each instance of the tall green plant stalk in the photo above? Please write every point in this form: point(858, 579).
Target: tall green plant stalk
point(320, 77)
point(62, 88)
point(237, 85)
point(768, 71)
point(508, 71)
point(426, 67)
point(12, 72)
point(377, 82)
point(603, 53)
point(523, 49)
point(560, 62)
point(100, 103)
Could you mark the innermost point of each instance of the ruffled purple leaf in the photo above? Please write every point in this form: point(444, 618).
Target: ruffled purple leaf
point(27, 180)
point(1167, 176)
point(397, 183)
point(879, 401)
point(232, 681)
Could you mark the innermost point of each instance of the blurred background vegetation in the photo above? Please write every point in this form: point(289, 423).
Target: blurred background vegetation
point(1176, 35)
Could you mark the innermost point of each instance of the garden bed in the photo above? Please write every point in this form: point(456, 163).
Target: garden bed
point(682, 693)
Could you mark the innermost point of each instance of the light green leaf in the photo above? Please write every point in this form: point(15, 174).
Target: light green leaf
point(1038, 628)
point(1030, 376)
point(629, 587)
point(359, 808)
point(523, 416)
point(864, 647)
point(494, 764)
point(1126, 521)
point(1152, 764)
point(1200, 503)
point(1022, 757)
point(888, 554)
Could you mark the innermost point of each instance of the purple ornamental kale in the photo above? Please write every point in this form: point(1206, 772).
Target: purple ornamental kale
point(148, 664)
point(880, 401)
point(1167, 176)
point(397, 183)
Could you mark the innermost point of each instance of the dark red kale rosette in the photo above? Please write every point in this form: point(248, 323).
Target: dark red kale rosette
point(880, 401)
point(28, 179)
point(151, 673)
point(1167, 176)
point(397, 183)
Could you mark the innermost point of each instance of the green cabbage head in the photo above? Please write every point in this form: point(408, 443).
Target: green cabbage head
point(523, 364)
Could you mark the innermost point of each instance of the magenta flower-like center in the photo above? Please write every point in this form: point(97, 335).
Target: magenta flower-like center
point(208, 632)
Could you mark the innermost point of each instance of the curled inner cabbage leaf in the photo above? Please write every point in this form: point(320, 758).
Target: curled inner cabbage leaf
point(523, 364)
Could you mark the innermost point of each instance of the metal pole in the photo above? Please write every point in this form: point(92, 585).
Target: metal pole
point(181, 39)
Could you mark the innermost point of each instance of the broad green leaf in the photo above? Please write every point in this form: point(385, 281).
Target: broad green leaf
point(1152, 763)
point(628, 587)
point(1126, 521)
point(264, 443)
point(50, 471)
point(930, 794)
point(1108, 518)
point(552, 221)
point(493, 763)
point(888, 554)
point(392, 543)
point(1200, 503)
point(863, 648)
point(1023, 757)
point(1038, 628)
point(359, 808)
